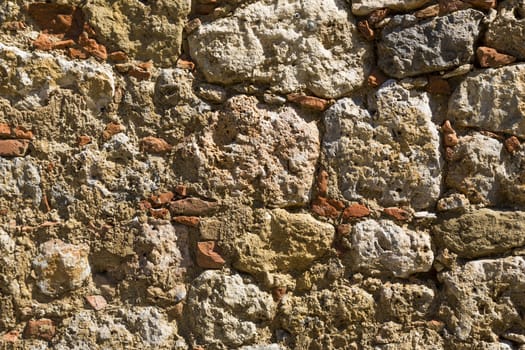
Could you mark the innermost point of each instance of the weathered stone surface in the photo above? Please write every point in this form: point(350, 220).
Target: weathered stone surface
point(483, 300)
point(287, 242)
point(161, 22)
point(409, 48)
point(482, 232)
point(192, 206)
point(383, 248)
point(263, 42)
point(61, 267)
point(326, 315)
point(236, 309)
point(393, 156)
point(365, 7)
point(255, 151)
point(507, 31)
point(406, 302)
point(486, 100)
point(487, 174)
point(42, 329)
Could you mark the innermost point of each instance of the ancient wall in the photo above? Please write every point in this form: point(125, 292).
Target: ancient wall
point(262, 174)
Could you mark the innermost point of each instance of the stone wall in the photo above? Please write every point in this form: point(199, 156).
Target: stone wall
point(262, 174)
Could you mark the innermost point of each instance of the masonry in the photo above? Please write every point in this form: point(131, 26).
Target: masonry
point(262, 174)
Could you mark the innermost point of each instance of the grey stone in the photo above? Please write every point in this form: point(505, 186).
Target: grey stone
point(293, 45)
point(408, 47)
point(226, 311)
point(364, 7)
point(383, 248)
point(485, 99)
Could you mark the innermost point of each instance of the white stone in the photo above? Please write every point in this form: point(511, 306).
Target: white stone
point(364, 7)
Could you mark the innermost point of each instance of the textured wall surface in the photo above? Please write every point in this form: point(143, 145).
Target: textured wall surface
point(262, 174)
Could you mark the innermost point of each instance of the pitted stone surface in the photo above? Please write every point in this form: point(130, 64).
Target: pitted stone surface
point(408, 47)
point(291, 45)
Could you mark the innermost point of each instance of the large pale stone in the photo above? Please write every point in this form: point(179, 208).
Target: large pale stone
point(293, 45)
point(393, 156)
point(482, 232)
point(486, 100)
point(486, 173)
point(364, 7)
point(144, 30)
point(408, 47)
point(227, 311)
point(253, 151)
point(287, 242)
point(383, 248)
point(61, 267)
point(507, 32)
point(484, 299)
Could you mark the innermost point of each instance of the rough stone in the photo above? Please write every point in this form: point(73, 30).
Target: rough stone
point(162, 22)
point(61, 267)
point(255, 151)
point(486, 100)
point(393, 156)
point(483, 299)
point(264, 42)
point(507, 31)
point(482, 232)
point(406, 302)
point(192, 206)
point(227, 302)
point(409, 48)
point(383, 248)
point(286, 242)
point(365, 7)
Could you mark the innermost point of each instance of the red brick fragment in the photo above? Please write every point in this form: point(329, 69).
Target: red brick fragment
point(376, 78)
point(111, 129)
point(5, 130)
point(310, 102)
point(11, 336)
point(92, 47)
point(192, 221)
point(192, 207)
point(322, 183)
point(450, 138)
point(40, 329)
point(489, 57)
point(83, 140)
point(52, 18)
point(207, 258)
point(161, 213)
point(22, 133)
point(355, 210)
point(145, 205)
point(76, 53)
point(184, 64)
point(512, 144)
point(43, 42)
point(13, 148)
point(344, 230)
point(397, 213)
point(365, 30)
point(155, 145)
point(118, 56)
point(325, 207)
point(181, 190)
point(97, 302)
point(448, 6)
point(162, 198)
point(139, 73)
point(438, 85)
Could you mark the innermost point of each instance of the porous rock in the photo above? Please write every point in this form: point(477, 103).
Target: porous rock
point(383, 248)
point(482, 232)
point(293, 46)
point(392, 156)
point(251, 149)
point(61, 267)
point(486, 100)
point(236, 309)
point(408, 47)
point(365, 7)
point(507, 30)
